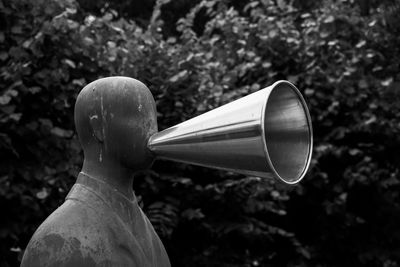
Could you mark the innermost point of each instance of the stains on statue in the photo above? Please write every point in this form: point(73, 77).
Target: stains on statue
point(103, 121)
point(60, 251)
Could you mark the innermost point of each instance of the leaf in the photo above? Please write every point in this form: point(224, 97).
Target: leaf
point(70, 63)
point(88, 41)
point(333, 43)
point(387, 82)
point(361, 44)
point(61, 132)
point(281, 4)
point(35, 89)
point(16, 29)
point(309, 91)
point(354, 152)
point(178, 76)
point(46, 122)
point(3, 55)
point(72, 25)
point(305, 15)
point(81, 82)
point(304, 252)
point(71, 10)
point(255, 87)
point(15, 249)
point(377, 68)
point(362, 84)
point(324, 34)
point(15, 116)
point(266, 65)
point(42, 194)
point(191, 214)
point(272, 33)
point(178, 104)
point(5, 99)
point(329, 19)
point(370, 120)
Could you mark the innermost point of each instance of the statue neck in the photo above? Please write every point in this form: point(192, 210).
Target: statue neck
point(111, 173)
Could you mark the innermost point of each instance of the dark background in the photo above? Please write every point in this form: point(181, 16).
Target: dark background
point(194, 56)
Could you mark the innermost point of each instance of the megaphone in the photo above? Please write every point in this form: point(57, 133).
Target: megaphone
point(266, 134)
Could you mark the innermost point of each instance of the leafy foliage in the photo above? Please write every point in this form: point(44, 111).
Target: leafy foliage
point(344, 213)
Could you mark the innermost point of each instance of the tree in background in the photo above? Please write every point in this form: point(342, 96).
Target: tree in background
point(195, 56)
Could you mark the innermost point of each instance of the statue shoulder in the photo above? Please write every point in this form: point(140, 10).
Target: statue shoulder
point(73, 235)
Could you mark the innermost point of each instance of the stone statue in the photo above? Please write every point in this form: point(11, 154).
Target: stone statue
point(100, 222)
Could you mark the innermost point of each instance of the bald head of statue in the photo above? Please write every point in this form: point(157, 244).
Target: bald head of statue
point(114, 118)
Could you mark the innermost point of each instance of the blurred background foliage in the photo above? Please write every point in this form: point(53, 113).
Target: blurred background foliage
point(194, 56)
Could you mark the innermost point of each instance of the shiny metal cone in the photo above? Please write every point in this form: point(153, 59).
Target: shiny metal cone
point(266, 134)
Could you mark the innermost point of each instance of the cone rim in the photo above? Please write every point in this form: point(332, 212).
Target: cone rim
point(310, 133)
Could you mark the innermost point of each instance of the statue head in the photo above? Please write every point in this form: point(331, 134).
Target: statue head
point(114, 118)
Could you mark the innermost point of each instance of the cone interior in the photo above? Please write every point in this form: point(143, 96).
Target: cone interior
point(287, 133)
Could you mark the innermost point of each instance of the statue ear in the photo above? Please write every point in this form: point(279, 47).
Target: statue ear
point(97, 128)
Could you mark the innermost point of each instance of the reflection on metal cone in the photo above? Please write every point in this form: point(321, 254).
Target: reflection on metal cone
point(266, 134)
